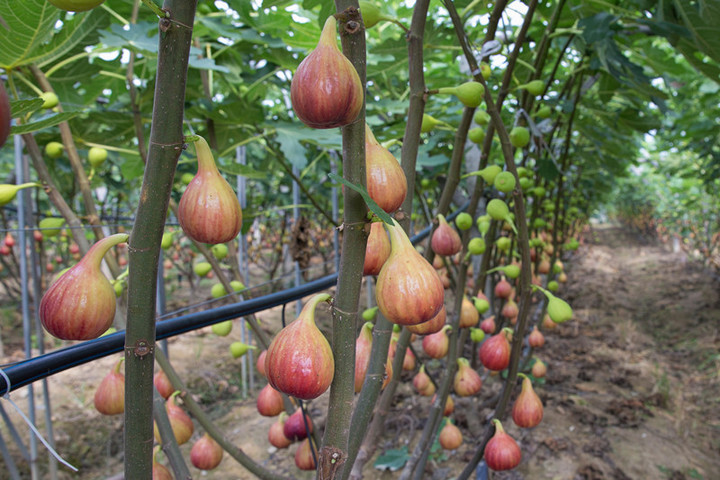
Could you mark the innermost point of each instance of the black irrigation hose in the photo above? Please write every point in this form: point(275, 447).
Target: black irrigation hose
point(36, 368)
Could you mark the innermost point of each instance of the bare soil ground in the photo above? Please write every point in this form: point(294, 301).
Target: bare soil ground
point(632, 390)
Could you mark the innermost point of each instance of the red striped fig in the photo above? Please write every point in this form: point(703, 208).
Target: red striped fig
point(326, 91)
point(276, 436)
point(437, 344)
point(502, 451)
point(527, 411)
point(488, 325)
point(181, 423)
point(385, 179)
point(539, 369)
point(80, 304)
point(445, 239)
point(110, 394)
point(363, 345)
point(433, 325)
point(377, 249)
point(163, 385)
point(206, 453)
point(299, 360)
point(467, 382)
point(269, 402)
point(536, 339)
point(304, 459)
point(209, 210)
point(469, 316)
point(495, 352)
point(294, 428)
point(409, 290)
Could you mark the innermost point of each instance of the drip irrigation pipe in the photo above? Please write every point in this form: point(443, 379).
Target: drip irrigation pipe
point(26, 372)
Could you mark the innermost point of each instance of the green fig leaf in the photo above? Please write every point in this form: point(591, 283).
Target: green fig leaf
point(392, 460)
point(42, 124)
point(374, 207)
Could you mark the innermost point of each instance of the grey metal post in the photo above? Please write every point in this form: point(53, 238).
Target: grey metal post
point(245, 335)
point(25, 303)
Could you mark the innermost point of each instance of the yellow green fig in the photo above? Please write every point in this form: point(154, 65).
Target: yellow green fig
point(9, 191)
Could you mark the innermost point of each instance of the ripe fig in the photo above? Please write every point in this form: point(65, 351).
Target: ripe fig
point(385, 179)
point(422, 382)
point(470, 94)
point(160, 472)
point(547, 323)
point(269, 402)
point(181, 423)
point(110, 394)
point(276, 437)
point(510, 309)
point(163, 385)
point(75, 6)
point(209, 210)
point(408, 290)
point(539, 369)
point(503, 289)
point(206, 454)
point(445, 239)
point(433, 325)
point(502, 452)
point(469, 316)
point(467, 382)
point(495, 352)
point(449, 405)
point(409, 361)
point(363, 345)
point(326, 91)
point(527, 411)
point(260, 363)
point(9, 191)
point(536, 339)
point(488, 325)
point(5, 117)
point(80, 305)
point(294, 428)
point(450, 436)
point(304, 459)
point(377, 249)
point(299, 360)
point(437, 344)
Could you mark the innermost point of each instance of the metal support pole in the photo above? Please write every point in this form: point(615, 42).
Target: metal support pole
point(246, 361)
point(25, 303)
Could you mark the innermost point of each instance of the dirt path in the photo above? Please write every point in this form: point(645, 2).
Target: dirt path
point(633, 387)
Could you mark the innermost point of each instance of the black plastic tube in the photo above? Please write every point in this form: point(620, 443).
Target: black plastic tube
point(34, 369)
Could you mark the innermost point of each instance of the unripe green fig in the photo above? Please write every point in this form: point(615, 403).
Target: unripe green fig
point(50, 100)
point(119, 288)
point(504, 182)
point(326, 91)
point(97, 156)
point(523, 172)
point(476, 135)
point(237, 285)
point(9, 191)
point(76, 6)
point(544, 112)
point(464, 221)
point(202, 268)
point(489, 173)
point(470, 94)
point(534, 88)
point(238, 349)
point(483, 224)
point(222, 329)
point(519, 137)
point(476, 246)
point(485, 70)
point(371, 14)
point(218, 290)
point(481, 305)
point(539, 223)
point(525, 183)
point(558, 309)
point(428, 123)
point(167, 240)
point(54, 149)
point(553, 286)
point(369, 314)
point(51, 226)
point(186, 178)
point(503, 244)
point(219, 251)
point(539, 192)
point(497, 209)
point(477, 335)
point(80, 305)
point(209, 210)
point(481, 117)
